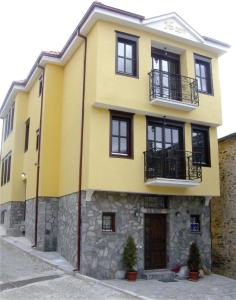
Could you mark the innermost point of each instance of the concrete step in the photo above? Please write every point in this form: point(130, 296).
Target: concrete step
point(160, 274)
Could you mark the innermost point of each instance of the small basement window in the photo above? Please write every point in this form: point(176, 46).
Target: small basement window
point(195, 224)
point(108, 222)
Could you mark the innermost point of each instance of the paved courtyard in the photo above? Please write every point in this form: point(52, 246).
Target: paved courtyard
point(213, 287)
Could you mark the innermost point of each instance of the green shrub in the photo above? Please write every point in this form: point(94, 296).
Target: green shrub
point(130, 254)
point(194, 259)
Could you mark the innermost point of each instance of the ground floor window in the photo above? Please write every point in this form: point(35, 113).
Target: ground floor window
point(195, 225)
point(108, 221)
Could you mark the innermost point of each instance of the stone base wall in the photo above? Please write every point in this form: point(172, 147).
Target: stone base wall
point(101, 252)
point(67, 227)
point(47, 223)
point(12, 217)
point(223, 213)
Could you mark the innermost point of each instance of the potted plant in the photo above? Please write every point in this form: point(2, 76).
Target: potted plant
point(130, 259)
point(193, 262)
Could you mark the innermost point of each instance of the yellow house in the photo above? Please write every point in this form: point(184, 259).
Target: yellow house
point(115, 135)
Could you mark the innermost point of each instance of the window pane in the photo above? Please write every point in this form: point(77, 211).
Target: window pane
point(115, 127)
point(151, 133)
point(155, 63)
point(121, 48)
point(204, 85)
point(121, 65)
point(129, 67)
point(115, 148)
point(167, 135)
point(123, 128)
point(167, 146)
point(165, 80)
point(175, 136)
point(197, 69)
point(129, 50)
point(159, 145)
point(199, 83)
point(203, 71)
point(123, 145)
point(165, 65)
point(158, 134)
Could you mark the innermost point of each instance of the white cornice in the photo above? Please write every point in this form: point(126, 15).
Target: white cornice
point(177, 29)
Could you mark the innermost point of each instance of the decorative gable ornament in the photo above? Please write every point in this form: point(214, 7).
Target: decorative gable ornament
point(174, 25)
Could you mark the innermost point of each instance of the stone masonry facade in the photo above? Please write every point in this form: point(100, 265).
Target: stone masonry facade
point(102, 251)
point(223, 211)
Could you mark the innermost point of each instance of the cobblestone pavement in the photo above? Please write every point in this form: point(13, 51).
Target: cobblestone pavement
point(213, 287)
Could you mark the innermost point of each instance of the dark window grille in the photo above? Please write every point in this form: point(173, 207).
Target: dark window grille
point(195, 224)
point(37, 139)
point(155, 202)
point(40, 85)
point(108, 222)
point(9, 122)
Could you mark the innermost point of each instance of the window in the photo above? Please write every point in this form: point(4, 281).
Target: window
point(201, 145)
point(203, 74)
point(9, 122)
point(121, 135)
point(40, 85)
point(6, 169)
point(27, 128)
point(37, 139)
point(108, 222)
point(195, 225)
point(126, 60)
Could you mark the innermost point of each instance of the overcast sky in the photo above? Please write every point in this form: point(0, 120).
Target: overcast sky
point(29, 26)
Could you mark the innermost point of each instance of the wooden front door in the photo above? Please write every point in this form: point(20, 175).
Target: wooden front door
point(155, 241)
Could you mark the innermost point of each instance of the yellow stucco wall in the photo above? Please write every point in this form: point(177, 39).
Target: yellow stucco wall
point(59, 168)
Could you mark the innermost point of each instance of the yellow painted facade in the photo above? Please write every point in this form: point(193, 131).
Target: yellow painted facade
point(61, 122)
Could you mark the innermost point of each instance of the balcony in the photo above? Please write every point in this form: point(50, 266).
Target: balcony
point(174, 91)
point(171, 167)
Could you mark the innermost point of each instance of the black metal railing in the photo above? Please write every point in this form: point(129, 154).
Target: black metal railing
point(171, 163)
point(173, 87)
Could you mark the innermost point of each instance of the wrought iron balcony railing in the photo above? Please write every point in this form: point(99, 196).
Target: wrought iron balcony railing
point(172, 164)
point(173, 87)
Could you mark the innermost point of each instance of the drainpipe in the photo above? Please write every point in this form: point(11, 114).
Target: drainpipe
point(81, 153)
point(38, 164)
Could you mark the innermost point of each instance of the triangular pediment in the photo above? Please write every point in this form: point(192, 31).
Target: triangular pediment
point(174, 25)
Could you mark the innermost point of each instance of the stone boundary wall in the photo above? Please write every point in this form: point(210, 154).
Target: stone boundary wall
point(223, 212)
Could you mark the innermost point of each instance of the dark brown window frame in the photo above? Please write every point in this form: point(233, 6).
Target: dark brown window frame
point(27, 133)
point(207, 61)
point(128, 117)
point(134, 40)
point(199, 218)
point(37, 139)
point(204, 129)
point(40, 85)
point(6, 169)
point(9, 122)
point(113, 221)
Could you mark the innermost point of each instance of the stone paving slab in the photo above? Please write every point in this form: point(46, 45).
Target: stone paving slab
point(65, 288)
point(213, 287)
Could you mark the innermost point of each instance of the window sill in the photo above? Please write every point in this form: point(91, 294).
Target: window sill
point(127, 75)
point(120, 155)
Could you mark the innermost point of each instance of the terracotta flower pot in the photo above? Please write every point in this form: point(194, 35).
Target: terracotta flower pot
point(194, 276)
point(132, 276)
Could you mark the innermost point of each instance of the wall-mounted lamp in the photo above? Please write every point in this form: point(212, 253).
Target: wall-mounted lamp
point(177, 214)
point(23, 176)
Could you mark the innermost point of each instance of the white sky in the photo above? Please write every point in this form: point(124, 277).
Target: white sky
point(29, 26)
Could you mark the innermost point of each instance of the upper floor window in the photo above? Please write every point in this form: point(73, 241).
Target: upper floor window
point(40, 85)
point(203, 74)
point(27, 128)
point(126, 54)
point(6, 169)
point(121, 134)
point(9, 122)
point(201, 145)
point(37, 139)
